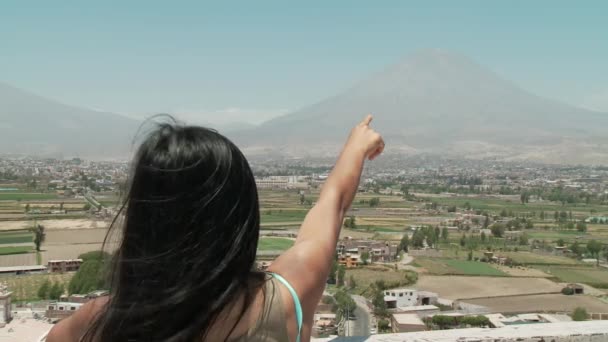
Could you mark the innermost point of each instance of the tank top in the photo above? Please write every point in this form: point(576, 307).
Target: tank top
point(271, 326)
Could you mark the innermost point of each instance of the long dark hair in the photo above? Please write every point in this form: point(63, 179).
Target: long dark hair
point(189, 239)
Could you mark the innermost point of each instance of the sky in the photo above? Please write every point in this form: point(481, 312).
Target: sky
point(248, 61)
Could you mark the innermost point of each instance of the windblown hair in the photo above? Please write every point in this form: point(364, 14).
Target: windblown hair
point(189, 239)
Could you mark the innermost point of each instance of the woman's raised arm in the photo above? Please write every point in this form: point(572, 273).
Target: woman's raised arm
point(306, 265)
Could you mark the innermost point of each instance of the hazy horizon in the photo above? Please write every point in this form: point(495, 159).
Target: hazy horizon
point(220, 64)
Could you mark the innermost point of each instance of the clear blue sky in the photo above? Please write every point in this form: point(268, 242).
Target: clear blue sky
point(253, 59)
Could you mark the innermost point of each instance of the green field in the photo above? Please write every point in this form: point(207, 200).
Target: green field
point(15, 236)
point(587, 275)
point(457, 267)
point(270, 216)
point(274, 244)
point(538, 259)
point(474, 268)
point(365, 276)
point(24, 196)
point(15, 250)
point(25, 287)
point(496, 205)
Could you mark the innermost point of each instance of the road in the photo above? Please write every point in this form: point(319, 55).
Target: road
point(362, 325)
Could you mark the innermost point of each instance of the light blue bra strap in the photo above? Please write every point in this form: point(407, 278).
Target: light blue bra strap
point(296, 302)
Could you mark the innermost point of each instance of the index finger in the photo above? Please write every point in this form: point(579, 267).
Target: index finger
point(367, 120)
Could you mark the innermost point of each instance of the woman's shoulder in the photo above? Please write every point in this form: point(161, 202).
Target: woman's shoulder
point(75, 326)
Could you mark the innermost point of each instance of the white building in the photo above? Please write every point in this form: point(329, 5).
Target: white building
point(397, 298)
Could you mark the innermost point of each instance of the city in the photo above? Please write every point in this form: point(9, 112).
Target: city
point(429, 243)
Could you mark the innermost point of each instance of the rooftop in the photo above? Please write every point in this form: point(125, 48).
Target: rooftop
point(597, 329)
point(417, 308)
point(408, 318)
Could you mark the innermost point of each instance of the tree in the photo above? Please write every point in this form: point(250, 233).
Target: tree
point(380, 308)
point(437, 232)
point(561, 243)
point(61, 206)
point(405, 241)
point(524, 197)
point(383, 326)
point(568, 291)
point(463, 241)
point(523, 239)
point(352, 284)
point(445, 234)
point(581, 226)
point(556, 216)
point(302, 199)
point(486, 222)
point(331, 279)
point(498, 229)
point(483, 237)
point(418, 239)
point(579, 314)
point(350, 222)
point(43, 291)
point(38, 231)
point(374, 202)
point(452, 209)
point(576, 249)
point(341, 273)
point(92, 274)
point(86, 207)
point(470, 255)
point(594, 247)
point(504, 213)
point(365, 257)
point(56, 291)
point(27, 208)
point(542, 215)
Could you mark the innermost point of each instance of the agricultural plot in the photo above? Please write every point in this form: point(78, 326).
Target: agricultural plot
point(24, 259)
point(454, 266)
point(15, 237)
point(364, 277)
point(587, 275)
point(274, 244)
point(25, 287)
point(474, 268)
point(544, 302)
point(495, 205)
point(271, 216)
point(25, 196)
point(466, 287)
point(15, 250)
point(530, 258)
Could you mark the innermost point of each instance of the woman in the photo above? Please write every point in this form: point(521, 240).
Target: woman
point(185, 267)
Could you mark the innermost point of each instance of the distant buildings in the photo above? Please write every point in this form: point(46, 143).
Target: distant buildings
point(61, 266)
point(402, 298)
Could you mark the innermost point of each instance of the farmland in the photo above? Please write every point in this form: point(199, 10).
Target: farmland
point(274, 244)
point(25, 287)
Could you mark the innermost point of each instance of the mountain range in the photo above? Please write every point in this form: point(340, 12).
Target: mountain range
point(433, 101)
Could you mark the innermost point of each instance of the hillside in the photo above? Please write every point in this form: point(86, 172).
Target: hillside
point(30, 124)
point(439, 102)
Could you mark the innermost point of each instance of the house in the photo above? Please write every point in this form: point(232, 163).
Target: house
point(65, 265)
point(406, 322)
point(400, 298)
point(378, 251)
point(577, 288)
point(61, 310)
point(348, 260)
